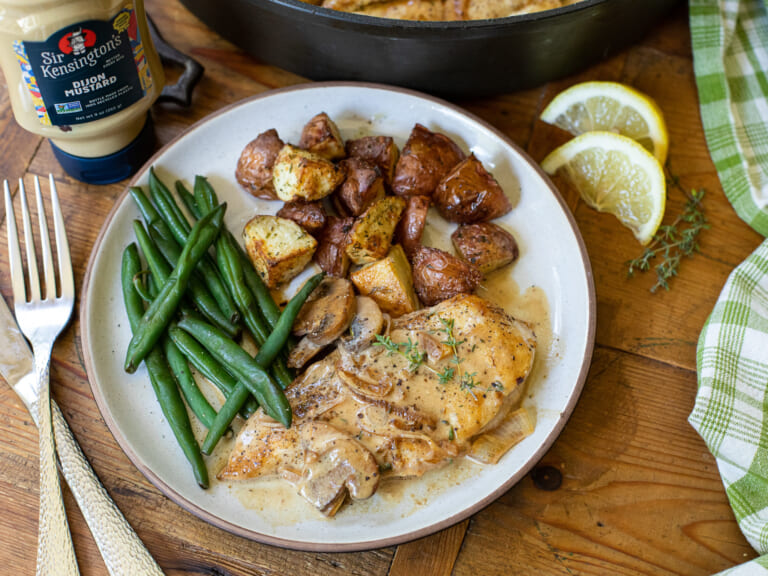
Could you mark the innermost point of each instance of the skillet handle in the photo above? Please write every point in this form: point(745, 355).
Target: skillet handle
point(181, 92)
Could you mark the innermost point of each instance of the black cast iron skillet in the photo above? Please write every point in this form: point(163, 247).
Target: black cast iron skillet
point(467, 58)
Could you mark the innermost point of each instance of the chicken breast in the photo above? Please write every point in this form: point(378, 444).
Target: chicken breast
point(443, 376)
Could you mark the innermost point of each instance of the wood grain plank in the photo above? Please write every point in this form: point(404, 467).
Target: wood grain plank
point(640, 493)
point(431, 556)
point(510, 113)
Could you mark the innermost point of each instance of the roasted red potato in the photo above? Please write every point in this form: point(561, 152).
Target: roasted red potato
point(321, 136)
point(379, 150)
point(371, 235)
point(278, 248)
point(299, 174)
point(486, 245)
point(411, 226)
point(389, 282)
point(309, 215)
point(254, 168)
point(470, 194)
point(438, 275)
point(331, 253)
point(362, 187)
point(426, 159)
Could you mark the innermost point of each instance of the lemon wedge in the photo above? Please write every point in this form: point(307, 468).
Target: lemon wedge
point(612, 107)
point(617, 175)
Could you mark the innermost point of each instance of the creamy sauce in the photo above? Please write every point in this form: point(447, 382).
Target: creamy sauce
point(530, 306)
point(278, 502)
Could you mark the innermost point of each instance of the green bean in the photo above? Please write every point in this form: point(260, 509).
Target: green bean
point(189, 388)
point(178, 364)
point(163, 248)
point(141, 290)
point(188, 198)
point(266, 355)
point(159, 375)
point(269, 395)
point(204, 196)
point(225, 417)
point(160, 312)
point(209, 367)
point(178, 225)
point(232, 270)
point(174, 216)
point(227, 251)
point(206, 364)
point(282, 330)
point(267, 304)
point(197, 289)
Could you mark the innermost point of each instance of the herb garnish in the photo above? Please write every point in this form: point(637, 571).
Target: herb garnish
point(671, 242)
point(410, 351)
point(468, 382)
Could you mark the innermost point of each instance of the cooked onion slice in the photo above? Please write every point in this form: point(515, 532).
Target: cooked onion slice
point(491, 446)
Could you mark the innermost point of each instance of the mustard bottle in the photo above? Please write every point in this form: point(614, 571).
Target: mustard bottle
point(83, 73)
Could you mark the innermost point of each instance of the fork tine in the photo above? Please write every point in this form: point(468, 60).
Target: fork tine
point(29, 244)
point(45, 244)
point(66, 278)
point(14, 251)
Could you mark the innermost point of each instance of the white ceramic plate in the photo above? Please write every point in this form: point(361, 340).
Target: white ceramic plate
point(552, 258)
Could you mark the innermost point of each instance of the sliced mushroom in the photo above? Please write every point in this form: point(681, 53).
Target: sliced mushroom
point(325, 316)
point(303, 352)
point(327, 312)
point(365, 326)
point(334, 465)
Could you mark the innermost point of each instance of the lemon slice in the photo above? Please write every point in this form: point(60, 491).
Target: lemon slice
point(613, 107)
point(617, 175)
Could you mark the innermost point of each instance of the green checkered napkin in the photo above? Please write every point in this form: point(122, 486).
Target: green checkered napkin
point(730, 50)
point(730, 55)
point(731, 410)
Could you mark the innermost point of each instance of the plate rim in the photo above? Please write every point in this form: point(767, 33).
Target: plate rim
point(299, 545)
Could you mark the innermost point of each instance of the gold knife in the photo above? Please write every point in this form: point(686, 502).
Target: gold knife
point(123, 552)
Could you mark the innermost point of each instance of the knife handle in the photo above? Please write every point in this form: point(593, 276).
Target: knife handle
point(123, 552)
point(55, 551)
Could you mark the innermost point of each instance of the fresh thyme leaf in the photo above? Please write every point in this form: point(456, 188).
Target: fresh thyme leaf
point(468, 380)
point(673, 241)
point(468, 383)
point(414, 356)
point(387, 343)
point(446, 375)
point(408, 350)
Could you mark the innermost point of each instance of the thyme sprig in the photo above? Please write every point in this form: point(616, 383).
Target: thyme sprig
point(467, 381)
point(416, 357)
point(410, 351)
point(673, 241)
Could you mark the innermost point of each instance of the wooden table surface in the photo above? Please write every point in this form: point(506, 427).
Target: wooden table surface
point(640, 493)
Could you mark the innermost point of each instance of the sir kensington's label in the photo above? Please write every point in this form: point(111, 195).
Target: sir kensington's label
point(85, 71)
